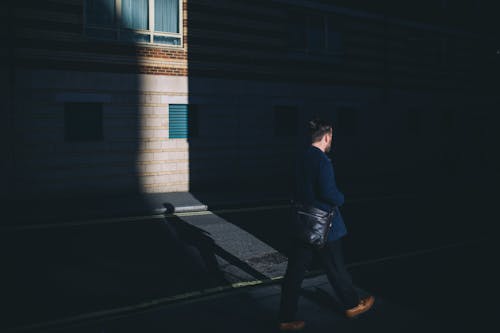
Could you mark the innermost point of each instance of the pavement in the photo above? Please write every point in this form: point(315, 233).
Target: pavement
point(254, 310)
point(406, 301)
point(43, 209)
point(99, 268)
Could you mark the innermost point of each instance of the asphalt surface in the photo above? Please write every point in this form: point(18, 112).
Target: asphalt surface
point(431, 267)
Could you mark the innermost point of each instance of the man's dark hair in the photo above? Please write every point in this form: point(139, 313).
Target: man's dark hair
point(318, 128)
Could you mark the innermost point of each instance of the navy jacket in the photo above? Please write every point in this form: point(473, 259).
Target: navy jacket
point(315, 185)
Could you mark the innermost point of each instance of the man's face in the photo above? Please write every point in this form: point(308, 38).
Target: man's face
point(329, 138)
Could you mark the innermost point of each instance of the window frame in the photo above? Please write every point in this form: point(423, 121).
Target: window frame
point(118, 30)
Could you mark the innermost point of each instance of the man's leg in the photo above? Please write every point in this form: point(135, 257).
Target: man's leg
point(337, 254)
point(295, 272)
point(333, 262)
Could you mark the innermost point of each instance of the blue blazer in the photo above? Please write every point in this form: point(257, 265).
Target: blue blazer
point(315, 185)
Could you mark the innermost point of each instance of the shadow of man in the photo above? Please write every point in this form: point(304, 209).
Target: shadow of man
point(193, 253)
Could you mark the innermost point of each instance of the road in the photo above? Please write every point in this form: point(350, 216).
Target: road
point(420, 256)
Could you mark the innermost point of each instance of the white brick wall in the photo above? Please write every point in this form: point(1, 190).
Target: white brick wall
point(135, 152)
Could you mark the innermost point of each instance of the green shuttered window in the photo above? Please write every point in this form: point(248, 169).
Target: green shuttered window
point(178, 121)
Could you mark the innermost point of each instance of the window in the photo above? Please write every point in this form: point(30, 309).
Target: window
point(147, 21)
point(83, 122)
point(314, 34)
point(183, 121)
point(285, 121)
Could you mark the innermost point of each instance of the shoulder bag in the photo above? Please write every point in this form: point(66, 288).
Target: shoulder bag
point(313, 224)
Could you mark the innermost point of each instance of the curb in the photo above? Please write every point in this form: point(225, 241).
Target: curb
point(144, 306)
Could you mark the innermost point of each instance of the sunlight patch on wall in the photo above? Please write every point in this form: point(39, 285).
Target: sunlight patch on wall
point(163, 162)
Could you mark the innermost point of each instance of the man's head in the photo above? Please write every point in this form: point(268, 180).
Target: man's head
point(321, 134)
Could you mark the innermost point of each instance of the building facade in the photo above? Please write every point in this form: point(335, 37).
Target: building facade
point(117, 96)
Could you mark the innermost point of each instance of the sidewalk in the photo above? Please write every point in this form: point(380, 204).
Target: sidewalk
point(55, 210)
point(137, 262)
point(61, 210)
point(408, 299)
point(255, 310)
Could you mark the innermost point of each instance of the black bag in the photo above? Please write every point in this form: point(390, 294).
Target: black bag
point(313, 224)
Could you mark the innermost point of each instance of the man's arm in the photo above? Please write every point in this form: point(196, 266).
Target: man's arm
point(328, 191)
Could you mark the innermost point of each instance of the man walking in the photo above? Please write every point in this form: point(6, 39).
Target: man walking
point(315, 186)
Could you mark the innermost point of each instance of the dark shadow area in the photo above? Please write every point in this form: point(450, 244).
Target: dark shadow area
point(53, 274)
point(236, 150)
point(324, 299)
point(411, 116)
point(74, 128)
point(453, 286)
point(419, 130)
point(241, 310)
point(383, 227)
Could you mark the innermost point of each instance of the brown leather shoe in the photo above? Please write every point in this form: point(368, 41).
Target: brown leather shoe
point(292, 326)
point(364, 305)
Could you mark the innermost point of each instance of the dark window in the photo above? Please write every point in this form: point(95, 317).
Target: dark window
point(285, 121)
point(83, 122)
point(346, 121)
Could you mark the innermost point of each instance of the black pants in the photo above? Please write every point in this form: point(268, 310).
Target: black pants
point(332, 261)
